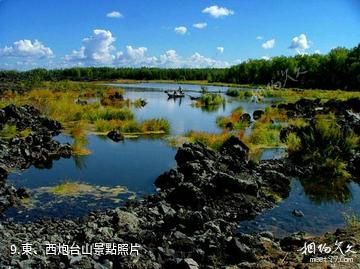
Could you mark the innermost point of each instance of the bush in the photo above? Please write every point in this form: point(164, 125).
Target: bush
point(325, 145)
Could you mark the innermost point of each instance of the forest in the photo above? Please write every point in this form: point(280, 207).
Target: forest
point(339, 69)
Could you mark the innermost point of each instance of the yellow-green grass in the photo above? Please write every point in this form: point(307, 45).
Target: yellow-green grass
point(151, 126)
point(10, 131)
point(212, 140)
point(295, 94)
point(73, 188)
point(57, 100)
point(79, 134)
point(233, 121)
point(209, 100)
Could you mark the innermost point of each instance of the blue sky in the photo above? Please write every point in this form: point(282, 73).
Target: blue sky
point(189, 33)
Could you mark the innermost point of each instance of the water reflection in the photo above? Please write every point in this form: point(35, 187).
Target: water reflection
point(319, 217)
point(80, 161)
point(327, 190)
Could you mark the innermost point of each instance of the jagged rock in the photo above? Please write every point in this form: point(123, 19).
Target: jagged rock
point(188, 263)
point(125, 221)
point(38, 148)
point(115, 136)
point(245, 118)
point(239, 252)
point(257, 114)
point(298, 213)
point(187, 194)
point(227, 183)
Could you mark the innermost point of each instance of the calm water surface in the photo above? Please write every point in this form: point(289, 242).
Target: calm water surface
point(135, 164)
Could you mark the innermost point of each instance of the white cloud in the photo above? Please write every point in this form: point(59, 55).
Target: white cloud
point(300, 43)
point(114, 15)
point(259, 37)
point(199, 61)
point(27, 48)
point(220, 50)
point(170, 59)
point(317, 51)
point(181, 30)
point(135, 57)
point(269, 44)
point(96, 49)
point(218, 12)
point(266, 58)
point(200, 25)
point(173, 60)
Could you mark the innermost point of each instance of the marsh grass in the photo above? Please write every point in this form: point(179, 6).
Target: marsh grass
point(156, 125)
point(266, 131)
point(131, 126)
point(10, 131)
point(209, 100)
point(213, 141)
point(57, 100)
point(240, 93)
point(233, 121)
point(80, 143)
point(352, 220)
point(107, 113)
point(296, 94)
point(265, 134)
point(325, 145)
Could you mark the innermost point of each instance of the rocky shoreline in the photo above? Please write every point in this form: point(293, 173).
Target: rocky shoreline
point(191, 222)
point(38, 148)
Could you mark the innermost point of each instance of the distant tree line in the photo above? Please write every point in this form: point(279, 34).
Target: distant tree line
point(339, 69)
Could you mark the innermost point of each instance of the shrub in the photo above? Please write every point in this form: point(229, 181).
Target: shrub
point(325, 145)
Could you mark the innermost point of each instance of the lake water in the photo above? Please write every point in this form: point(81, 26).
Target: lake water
point(165, 86)
point(136, 163)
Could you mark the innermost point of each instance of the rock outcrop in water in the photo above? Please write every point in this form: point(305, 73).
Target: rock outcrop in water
point(189, 223)
point(38, 148)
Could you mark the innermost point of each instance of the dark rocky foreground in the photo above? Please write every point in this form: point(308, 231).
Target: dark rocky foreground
point(38, 148)
point(191, 222)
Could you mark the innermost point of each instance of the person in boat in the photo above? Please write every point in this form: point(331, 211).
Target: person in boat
point(180, 90)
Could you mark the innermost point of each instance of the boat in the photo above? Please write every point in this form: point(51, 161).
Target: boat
point(175, 94)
